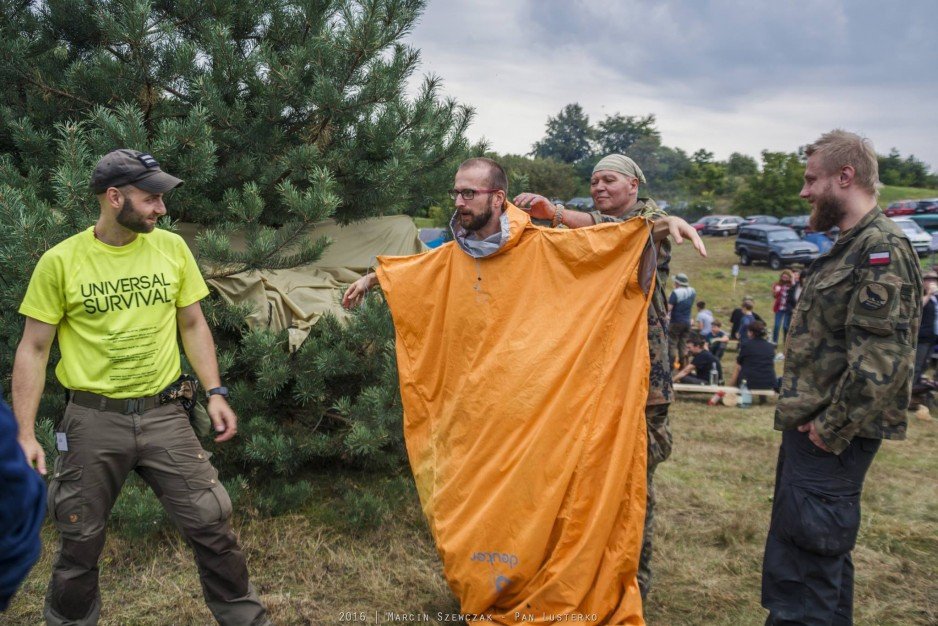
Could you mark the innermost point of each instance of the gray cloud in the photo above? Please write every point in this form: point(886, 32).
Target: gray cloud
point(730, 48)
point(729, 75)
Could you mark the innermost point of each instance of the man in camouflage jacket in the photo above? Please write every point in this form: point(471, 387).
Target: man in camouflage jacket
point(614, 187)
point(848, 375)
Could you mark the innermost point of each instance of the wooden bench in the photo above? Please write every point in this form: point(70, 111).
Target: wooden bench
point(730, 394)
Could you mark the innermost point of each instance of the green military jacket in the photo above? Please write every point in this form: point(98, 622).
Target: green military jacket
point(851, 346)
point(659, 389)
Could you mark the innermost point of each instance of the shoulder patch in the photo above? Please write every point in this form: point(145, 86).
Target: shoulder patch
point(873, 296)
point(879, 258)
point(874, 307)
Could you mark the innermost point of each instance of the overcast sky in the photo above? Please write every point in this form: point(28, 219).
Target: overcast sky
point(725, 75)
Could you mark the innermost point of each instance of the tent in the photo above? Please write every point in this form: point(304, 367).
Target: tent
point(295, 299)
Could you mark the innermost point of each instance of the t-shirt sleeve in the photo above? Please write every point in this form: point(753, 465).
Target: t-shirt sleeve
point(672, 299)
point(193, 287)
point(45, 295)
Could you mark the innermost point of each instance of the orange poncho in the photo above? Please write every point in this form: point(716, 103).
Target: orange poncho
point(523, 378)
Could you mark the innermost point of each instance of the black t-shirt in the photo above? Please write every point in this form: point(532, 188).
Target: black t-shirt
point(757, 361)
point(703, 363)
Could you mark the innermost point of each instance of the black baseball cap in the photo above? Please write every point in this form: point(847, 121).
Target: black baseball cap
point(129, 167)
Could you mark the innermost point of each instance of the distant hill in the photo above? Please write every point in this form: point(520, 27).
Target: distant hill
point(891, 194)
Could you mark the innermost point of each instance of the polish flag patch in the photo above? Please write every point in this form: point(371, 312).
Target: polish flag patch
point(879, 258)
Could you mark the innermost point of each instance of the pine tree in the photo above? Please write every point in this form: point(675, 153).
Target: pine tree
point(277, 114)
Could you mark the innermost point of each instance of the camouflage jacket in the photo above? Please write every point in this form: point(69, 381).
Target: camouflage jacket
point(851, 345)
point(659, 389)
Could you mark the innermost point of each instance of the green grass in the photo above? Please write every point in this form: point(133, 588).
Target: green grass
point(714, 503)
point(715, 499)
point(893, 194)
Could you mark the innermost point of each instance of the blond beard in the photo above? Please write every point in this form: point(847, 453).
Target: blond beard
point(828, 212)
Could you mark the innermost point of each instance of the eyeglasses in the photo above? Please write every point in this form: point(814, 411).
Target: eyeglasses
point(469, 194)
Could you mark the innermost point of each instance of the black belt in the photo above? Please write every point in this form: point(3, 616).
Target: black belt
point(126, 406)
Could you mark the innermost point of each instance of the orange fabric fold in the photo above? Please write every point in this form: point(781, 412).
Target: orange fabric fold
point(523, 378)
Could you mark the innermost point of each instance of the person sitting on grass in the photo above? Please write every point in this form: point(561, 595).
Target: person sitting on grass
point(718, 339)
point(697, 372)
point(755, 362)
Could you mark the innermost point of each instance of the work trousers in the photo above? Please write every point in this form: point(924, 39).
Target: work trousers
point(807, 571)
point(659, 449)
point(677, 343)
point(97, 451)
point(923, 351)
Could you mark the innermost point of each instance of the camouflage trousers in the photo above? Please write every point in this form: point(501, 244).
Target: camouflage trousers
point(659, 449)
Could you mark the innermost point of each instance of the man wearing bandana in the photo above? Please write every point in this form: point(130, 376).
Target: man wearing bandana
point(614, 186)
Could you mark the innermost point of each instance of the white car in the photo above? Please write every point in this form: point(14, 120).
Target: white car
point(917, 235)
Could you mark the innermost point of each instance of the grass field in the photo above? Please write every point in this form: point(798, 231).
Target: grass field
point(715, 492)
point(892, 194)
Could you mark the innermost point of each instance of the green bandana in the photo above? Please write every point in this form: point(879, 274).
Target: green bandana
point(622, 164)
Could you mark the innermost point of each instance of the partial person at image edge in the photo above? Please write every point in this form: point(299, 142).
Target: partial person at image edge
point(22, 509)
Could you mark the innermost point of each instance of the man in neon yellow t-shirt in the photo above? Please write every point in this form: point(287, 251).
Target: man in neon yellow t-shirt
point(116, 294)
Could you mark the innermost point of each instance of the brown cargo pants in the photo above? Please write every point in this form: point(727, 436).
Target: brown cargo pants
point(100, 450)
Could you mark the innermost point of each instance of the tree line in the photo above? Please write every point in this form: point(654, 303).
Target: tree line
point(695, 182)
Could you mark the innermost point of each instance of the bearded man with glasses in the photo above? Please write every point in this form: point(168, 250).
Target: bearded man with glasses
point(522, 358)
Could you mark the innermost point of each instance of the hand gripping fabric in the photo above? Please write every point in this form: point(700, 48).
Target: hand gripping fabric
point(523, 379)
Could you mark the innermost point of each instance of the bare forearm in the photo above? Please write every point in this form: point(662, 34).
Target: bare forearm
point(735, 378)
point(200, 350)
point(684, 372)
point(577, 219)
point(29, 379)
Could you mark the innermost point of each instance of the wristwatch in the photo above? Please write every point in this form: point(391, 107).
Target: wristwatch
point(218, 391)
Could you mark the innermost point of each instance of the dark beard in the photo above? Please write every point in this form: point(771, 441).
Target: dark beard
point(479, 220)
point(827, 213)
point(131, 220)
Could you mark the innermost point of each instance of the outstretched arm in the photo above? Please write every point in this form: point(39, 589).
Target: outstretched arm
point(541, 208)
point(357, 290)
point(679, 230)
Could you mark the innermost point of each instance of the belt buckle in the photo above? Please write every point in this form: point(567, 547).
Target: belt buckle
point(133, 405)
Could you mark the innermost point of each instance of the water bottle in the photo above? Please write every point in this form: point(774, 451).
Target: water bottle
point(745, 397)
point(714, 374)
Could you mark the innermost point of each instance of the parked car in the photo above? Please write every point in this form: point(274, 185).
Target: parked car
point(928, 222)
point(777, 245)
point(903, 207)
point(799, 223)
point(823, 241)
point(724, 226)
point(762, 219)
point(700, 224)
point(580, 204)
point(919, 239)
point(928, 205)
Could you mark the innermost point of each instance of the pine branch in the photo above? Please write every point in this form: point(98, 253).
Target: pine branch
point(52, 90)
